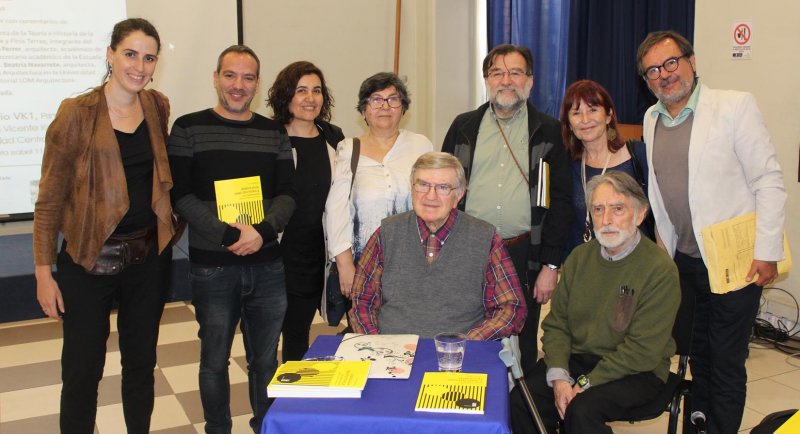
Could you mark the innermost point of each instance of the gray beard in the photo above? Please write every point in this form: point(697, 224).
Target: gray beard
point(510, 108)
point(668, 100)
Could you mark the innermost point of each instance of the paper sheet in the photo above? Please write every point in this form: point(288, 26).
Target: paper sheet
point(392, 356)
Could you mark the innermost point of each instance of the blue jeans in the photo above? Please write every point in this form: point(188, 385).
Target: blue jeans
point(222, 296)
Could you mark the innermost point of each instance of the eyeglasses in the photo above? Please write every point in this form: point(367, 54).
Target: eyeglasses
point(393, 101)
point(669, 65)
point(498, 74)
point(600, 210)
point(442, 190)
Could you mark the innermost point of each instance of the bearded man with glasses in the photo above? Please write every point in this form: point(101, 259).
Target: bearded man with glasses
point(710, 159)
point(436, 268)
point(520, 179)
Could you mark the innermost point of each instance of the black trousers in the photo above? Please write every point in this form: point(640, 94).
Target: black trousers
point(722, 327)
point(528, 337)
point(303, 298)
point(296, 328)
point(141, 291)
point(590, 410)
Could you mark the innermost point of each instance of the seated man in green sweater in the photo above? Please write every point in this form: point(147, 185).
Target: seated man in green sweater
point(607, 340)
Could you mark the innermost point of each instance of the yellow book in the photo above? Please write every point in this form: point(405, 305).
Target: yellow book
point(729, 247)
point(319, 379)
point(240, 200)
point(791, 426)
point(452, 392)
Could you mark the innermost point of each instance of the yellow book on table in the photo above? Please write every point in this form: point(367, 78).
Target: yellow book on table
point(240, 200)
point(319, 379)
point(791, 426)
point(452, 392)
point(729, 247)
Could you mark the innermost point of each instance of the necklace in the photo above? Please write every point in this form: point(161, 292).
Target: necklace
point(587, 230)
point(133, 111)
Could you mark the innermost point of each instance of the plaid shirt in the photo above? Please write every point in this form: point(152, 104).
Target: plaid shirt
point(504, 306)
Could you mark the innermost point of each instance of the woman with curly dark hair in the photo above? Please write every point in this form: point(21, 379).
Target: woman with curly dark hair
point(301, 101)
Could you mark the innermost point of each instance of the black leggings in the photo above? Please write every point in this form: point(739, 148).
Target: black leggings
point(141, 291)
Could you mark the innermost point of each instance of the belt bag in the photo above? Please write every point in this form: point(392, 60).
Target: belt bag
point(122, 250)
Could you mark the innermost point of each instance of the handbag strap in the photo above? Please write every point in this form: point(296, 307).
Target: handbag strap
point(354, 163)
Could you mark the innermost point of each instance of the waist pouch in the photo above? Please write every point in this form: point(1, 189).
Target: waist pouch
point(123, 250)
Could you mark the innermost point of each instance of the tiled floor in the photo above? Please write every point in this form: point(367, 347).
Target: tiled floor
point(30, 380)
point(30, 377)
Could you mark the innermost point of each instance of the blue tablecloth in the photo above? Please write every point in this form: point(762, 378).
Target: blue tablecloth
point(387, 406)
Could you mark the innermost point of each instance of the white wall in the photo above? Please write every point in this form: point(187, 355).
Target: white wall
point(192, 34)
point(771, 76)
point(353, 39)
point(348, 39)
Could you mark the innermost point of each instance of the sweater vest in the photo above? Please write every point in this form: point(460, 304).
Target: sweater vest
point(444, 296)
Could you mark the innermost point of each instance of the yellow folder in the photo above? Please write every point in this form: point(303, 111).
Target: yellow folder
point(729, 247)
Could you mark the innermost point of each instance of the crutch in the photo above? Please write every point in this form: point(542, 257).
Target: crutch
point(510, 357)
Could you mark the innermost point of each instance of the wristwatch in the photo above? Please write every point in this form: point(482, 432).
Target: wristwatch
point(583, 382)
point(551, 266)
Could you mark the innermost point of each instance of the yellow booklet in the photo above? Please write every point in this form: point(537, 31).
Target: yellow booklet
point(790, 426)
point(452, 392)
point(729, 247)
point(240, 200)
point(319, 379)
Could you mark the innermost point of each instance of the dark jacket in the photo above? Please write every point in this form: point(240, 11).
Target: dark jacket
point(549, 227)
point(333, 134)
point(82, 191)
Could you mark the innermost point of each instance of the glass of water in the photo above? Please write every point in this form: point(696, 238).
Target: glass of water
point(450, 351)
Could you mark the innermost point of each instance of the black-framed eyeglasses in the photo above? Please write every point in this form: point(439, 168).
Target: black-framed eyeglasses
point(377, 101)
point(669, 65)
point(442, 190)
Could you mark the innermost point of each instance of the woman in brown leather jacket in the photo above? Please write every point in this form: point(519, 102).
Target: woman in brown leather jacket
point(105, 186)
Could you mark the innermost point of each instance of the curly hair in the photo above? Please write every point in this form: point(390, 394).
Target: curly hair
point(282, 91)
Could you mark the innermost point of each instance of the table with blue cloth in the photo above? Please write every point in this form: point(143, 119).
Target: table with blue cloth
point(387, 405)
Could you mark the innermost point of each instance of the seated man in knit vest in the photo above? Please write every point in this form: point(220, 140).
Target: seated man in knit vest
point(608, 337)
point(436, 269)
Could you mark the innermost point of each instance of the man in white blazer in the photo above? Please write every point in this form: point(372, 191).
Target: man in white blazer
point(710, 160)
